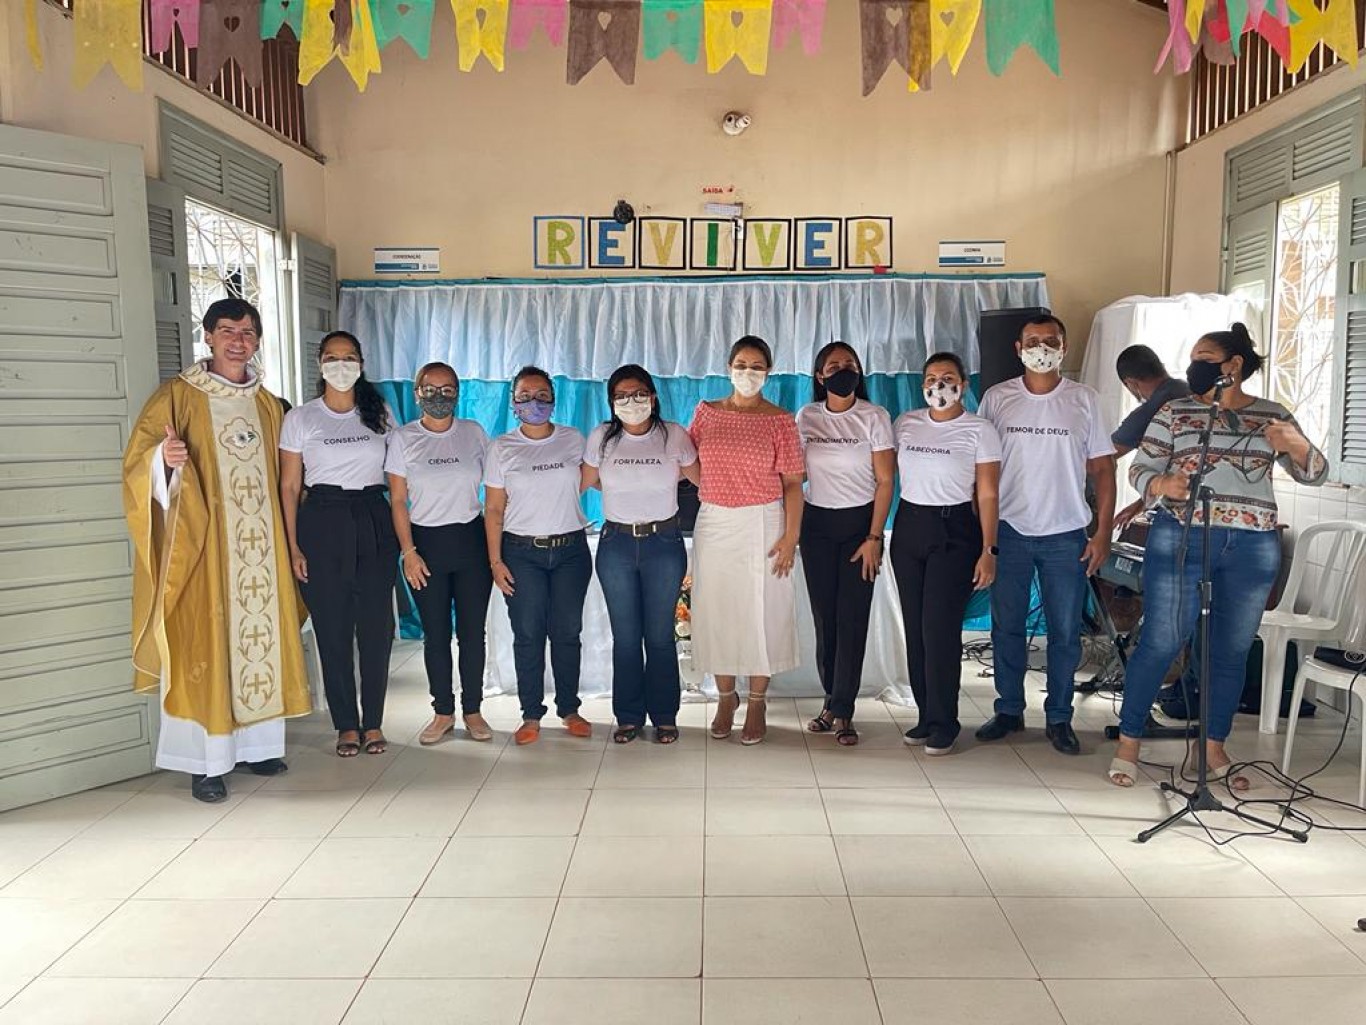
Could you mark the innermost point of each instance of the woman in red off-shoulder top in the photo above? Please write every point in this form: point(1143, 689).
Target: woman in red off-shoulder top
point(744, 619)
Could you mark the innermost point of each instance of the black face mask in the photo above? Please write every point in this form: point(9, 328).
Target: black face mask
point(1202, 376)
point(842, 382)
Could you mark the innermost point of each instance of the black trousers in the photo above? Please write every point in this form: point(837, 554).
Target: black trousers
point(352, 552)
point(841, 600)
point(934, 553)
point(458, 559)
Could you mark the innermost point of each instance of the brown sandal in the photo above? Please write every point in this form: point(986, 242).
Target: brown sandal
point(348, 748)
point(376, 744)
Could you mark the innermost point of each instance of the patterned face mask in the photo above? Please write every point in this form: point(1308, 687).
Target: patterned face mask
point(943, 394)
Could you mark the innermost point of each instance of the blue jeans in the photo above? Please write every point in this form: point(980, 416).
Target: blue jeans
point(550, 585)
point(1243, 566)
point(641, 578)
point(1062, 582)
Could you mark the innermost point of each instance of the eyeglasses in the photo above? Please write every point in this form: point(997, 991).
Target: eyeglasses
point(431, 391)
point(635, 396)
point(540, 396)
point(236, 334)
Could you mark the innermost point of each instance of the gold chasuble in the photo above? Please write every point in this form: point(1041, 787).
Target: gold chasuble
point(216, 612)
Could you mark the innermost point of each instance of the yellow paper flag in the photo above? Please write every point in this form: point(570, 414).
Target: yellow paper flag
point(317, 47)
point(488, 38)
point(952, 38)
point(108, 31)
point(35, 46)
point(1195, 14)
point(1335, 26)
point(748, 40)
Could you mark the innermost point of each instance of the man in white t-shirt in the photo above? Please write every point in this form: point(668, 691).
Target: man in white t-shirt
point(1053, 438)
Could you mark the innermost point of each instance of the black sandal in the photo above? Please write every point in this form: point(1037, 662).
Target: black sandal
point(846, 737)
point(821, 724)
point(666, 734)
point(348, 748)
point(625, 734)
point(377, 745)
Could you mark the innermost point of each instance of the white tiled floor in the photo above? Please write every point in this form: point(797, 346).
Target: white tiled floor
point(575, 881)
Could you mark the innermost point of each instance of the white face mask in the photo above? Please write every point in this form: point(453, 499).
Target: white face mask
point(943, 394)
point(748, 383)
point(1041, 359)
point(341, 374)
point(633, 412)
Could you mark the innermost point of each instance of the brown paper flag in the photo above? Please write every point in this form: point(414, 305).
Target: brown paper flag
point(601, 29)
point(922, 49)
point(885, 26)
point(229, 29)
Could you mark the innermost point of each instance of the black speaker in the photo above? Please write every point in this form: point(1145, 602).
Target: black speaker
point(997, 333)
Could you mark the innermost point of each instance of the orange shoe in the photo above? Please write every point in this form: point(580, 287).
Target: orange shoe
point(528, 733)
point(577, 725)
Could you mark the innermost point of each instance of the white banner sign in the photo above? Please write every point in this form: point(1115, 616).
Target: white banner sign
point(408, 261)
point(972, 254)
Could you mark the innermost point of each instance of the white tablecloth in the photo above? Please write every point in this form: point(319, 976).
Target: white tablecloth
point(884, 669)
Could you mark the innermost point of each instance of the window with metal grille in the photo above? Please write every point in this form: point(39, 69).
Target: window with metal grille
point(278, 103)
point(1221, 92)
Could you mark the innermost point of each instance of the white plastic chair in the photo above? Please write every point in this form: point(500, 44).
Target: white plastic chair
point(1328, 608)
point(1321, 674)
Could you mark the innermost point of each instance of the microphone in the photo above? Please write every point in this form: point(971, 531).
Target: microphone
point(1224, 382)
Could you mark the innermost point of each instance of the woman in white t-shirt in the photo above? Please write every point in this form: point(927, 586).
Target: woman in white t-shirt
point(435, 466)
point(341, 536)
point(538, 550)
point(849, 471)
point(943, 540)
point(636, 459)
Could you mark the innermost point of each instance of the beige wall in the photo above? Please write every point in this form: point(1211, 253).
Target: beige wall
point(1069, 170)
point(107, 109)
point(1198, 235)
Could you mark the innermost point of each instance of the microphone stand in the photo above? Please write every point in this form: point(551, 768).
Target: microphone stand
point(1200, 797)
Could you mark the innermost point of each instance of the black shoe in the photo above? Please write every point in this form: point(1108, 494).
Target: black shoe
point(1000, 726)
point(941, 743)
point(916, 736)
point(1064, 738)
point(209, 789)
point(269, 767)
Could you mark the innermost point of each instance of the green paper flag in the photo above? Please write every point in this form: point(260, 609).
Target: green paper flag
point(409, 20)
point(1237, 21)
point(275, 14)
point(1011, 24)
point(672, 25)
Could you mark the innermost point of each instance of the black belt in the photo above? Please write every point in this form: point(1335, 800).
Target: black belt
point(643, 529)
point(544, 540)
point(944, 511)
point(333, 493)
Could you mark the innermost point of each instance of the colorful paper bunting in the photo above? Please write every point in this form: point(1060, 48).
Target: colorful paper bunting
point(341, 24)
point(526, 15)
point(885, 28)
point(672, 25)
point(921, 47)
point(603, 30)
point(952, 24)
point(481, 27)
point(1276, 33)
point(229, 30)
point(1195, 15)
point(318, 45)
point(276, 14)
point(165, 15)
point(804, 17)
point(108, 32)
point(1011, 25)
point(738, 28)
point(409, 20)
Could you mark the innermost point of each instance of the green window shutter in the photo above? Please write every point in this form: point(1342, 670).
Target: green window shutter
point(219, 171)
point(170, 278)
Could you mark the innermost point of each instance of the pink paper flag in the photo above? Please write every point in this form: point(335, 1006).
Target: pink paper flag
point(165, 15)
point(805, 17)
point(526, 15)
point(1178, 43)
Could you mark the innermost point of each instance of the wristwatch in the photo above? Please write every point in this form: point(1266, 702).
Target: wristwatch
point(993, 550)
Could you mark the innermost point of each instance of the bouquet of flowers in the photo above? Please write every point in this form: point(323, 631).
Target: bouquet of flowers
point(692, 680)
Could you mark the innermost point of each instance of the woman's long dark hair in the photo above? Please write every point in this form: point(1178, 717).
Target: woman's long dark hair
point(818, 389)
point(1237, 341)
point(629, 372)
point(369, 402)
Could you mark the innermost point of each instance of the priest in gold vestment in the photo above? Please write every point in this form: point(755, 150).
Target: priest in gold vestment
point(216, 611)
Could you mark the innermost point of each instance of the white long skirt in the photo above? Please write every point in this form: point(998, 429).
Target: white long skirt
point(183, 745)
point(744, 619)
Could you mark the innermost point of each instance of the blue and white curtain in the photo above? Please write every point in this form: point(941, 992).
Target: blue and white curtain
point(679, 329)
